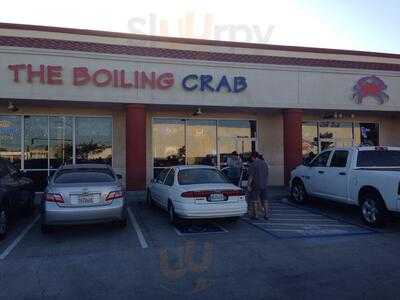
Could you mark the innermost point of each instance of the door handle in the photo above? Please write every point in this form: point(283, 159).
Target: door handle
point(321, 172)
point(342, 173)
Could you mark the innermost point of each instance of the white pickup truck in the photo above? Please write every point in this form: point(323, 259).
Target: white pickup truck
point(365, 176)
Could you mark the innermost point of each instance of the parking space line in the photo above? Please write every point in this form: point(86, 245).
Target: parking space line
point(139, 232)
point(18, 239)
point(309, 220)
point(297, 224)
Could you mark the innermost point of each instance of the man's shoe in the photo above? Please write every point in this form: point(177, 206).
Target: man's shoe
point(266, 218)
point(253, 218)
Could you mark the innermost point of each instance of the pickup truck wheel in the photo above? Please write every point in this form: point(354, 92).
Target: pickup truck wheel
point(373, 211)
point(3, 223)
point(298, 192)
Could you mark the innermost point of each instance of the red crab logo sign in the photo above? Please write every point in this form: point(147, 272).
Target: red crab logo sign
point(370, 86)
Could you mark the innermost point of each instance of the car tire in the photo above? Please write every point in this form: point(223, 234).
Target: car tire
point(3, 223)
point(373, 210)
point(171, 214)
point(298, 193)
point(149, 199)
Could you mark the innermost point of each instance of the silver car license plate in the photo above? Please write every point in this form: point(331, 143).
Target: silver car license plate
point(84, 199)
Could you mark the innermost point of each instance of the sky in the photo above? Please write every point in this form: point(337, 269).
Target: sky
point(368, 25)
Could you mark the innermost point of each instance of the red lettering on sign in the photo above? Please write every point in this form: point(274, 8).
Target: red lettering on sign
point(165, 81)
point(81, 76)
point(54, 75)
point(16, 69)
point(39, 73)
point(102, 73)
point(146, 80)
point(125, 84)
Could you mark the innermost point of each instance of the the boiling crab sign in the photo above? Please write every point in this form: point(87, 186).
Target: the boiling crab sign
point(370, 86)
point(125, 79)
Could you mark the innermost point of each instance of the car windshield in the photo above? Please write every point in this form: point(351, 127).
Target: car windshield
point(378, 158)
point(200, 176)
point(84, 175)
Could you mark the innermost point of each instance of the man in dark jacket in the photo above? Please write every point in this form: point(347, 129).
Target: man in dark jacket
point(257, 185)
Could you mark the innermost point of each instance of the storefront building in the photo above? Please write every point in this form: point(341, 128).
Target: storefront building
point(143, 103)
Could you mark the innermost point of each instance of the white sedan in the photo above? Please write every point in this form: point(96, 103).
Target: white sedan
point(196, 192)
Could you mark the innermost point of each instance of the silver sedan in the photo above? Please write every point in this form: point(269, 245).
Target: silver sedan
point(87, 193)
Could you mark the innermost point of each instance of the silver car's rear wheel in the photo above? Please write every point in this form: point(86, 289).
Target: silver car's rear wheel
point(3, 223)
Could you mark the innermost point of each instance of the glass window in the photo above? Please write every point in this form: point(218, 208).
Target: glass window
point(170, 178)
point(60, 142)
point(201, 139)
point(200, 176)
point(236, 135)
point(378, 158)
point(366, 134)
point(93, 140)
point(309, 138)
point(36, 142)
point(321, 160)
point(84, 175)
point(10, 139)
point(169, 142)
point(335, 134)
point(339, 159)
point(161, 176)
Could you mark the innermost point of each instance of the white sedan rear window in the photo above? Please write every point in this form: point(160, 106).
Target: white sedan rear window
point(200, 176)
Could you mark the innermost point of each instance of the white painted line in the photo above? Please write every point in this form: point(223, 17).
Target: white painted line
point(307, 220)
point(139, 232)
point(302, 224)
point(297, 215)
point(177, 231)
point(18, 239)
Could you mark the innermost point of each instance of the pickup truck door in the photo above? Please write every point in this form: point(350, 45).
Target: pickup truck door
point(317, 174)
point(337, 175)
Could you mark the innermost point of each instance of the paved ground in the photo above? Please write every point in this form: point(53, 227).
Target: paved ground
point(319, 251)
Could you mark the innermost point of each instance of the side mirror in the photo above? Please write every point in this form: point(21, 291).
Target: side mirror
point(152, 180)
point(119, 176)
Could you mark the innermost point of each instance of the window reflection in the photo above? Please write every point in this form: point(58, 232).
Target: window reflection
point(201, 141)
point(309, 138)
point(236, 135)
point(366, 134)
point(10, 139)
point(36, 142)
point(335, 134)
point(169, 142)
point(93, 140)
point(60, 142)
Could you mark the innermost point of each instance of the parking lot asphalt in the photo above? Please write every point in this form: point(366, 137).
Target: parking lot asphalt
point(213, 259)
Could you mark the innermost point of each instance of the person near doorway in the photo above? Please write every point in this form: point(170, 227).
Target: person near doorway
point(257, 185)
point(235, 165)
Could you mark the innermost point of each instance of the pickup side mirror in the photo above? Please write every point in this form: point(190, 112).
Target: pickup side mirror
point(119, 176)
point(152, 180)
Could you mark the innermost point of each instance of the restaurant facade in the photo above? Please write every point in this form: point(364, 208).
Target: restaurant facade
point(143, 103)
